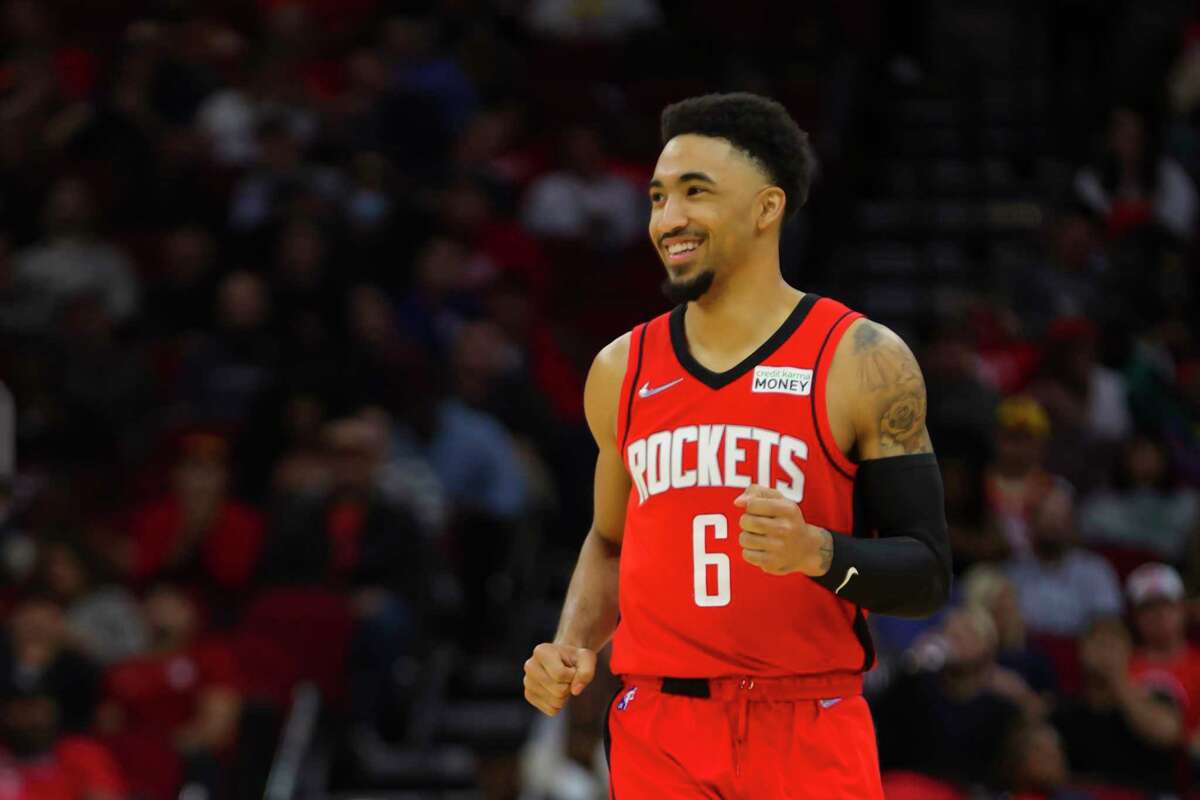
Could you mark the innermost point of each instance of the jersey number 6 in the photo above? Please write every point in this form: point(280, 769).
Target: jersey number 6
point(702, 560)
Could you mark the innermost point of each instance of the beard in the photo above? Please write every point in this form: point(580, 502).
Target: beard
point(689, 289)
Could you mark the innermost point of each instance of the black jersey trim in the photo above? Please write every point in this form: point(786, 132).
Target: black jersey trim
point(816, 422)
point(637, 371)
point(718, 380)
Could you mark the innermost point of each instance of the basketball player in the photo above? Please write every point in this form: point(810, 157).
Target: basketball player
point(764, 479)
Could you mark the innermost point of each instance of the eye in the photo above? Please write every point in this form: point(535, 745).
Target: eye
point(656, 197)
point(695, 190)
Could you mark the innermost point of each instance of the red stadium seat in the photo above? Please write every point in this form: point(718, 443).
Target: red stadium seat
point(294, 634)
point(149, 764)
point(901, 785)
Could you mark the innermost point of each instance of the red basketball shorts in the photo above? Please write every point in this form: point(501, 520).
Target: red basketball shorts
point(739, 739)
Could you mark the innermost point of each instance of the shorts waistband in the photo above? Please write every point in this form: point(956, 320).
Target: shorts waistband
point(752, 687)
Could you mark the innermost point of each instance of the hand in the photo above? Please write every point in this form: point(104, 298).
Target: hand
point(776, 539)
point(555, 672)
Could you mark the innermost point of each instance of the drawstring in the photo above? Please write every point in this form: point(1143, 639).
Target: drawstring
point(741, 722)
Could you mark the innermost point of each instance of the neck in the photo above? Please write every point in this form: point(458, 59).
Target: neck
point(1165, 651)
point(741, 310)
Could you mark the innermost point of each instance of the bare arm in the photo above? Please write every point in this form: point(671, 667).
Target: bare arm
point(876, 404)
point(589, 614)
point(1158, 723)
point(565, 666)
point(215, 723)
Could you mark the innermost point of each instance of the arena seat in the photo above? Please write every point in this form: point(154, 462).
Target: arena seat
point(292, 634)
point(903, 785)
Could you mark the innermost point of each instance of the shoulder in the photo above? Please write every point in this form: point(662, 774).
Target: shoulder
point(875, 378)
point(602, 392)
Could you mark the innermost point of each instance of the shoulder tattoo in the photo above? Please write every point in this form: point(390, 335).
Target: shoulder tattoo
point(888, 373)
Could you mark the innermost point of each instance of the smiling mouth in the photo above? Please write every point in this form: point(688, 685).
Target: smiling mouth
point(679, 252)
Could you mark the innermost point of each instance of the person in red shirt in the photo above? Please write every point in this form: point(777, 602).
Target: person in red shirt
point(36, 763)
point(1164, 659)
point(181, 701)
point(197, 531)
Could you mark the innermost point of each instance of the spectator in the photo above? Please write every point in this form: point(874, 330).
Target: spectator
point(180, 298)
point(197, 532)
point(1134, 185)
point(1163, 658)
point(962, 405)
point(355, 536)
point(1117, 730)
point(37, 761)
point(224, 375)
point(36, 651)
point(181, 698)
point(1073, 280)
point(1062, 588)
point(102, 617)
point(1086, 402)
point(950, 686)
point(424, 67)
point(1016, 481)
point(1145, 509)
point(103, 386)
point(584, 201)
point(473, 455)
point(1034, 765)
point(70, 261)
point(986, 587)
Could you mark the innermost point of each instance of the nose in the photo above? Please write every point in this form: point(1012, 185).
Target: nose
point(672, 218)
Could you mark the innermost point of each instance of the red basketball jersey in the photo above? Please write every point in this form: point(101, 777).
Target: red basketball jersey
point(692, 440)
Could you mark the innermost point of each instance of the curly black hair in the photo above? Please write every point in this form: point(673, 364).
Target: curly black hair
point(758, 126)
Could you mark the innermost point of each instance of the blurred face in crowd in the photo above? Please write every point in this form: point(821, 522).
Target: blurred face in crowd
point(301, 253)
point(705, 211)
point(582, 151)
point(28, 725)
point(440, 267)
point(1053, 524)
point(242, 302)
point(1075, 241)
point(1146, 462)
point(38, 632)
point(1161, 624)
point(171, 615)
point(64, 572)
point(201, 478)
point(356, 449)
point(970, 639)
point(69, 210)
point(187, 253)
point(1127, 135)
point(1018, 450)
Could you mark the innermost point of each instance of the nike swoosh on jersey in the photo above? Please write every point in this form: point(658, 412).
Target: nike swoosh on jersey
point(850, 573)
point(646, 391)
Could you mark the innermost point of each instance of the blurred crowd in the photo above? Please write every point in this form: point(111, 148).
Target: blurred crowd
point(296, 301)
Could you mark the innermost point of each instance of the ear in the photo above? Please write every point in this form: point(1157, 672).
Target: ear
point(769, 207)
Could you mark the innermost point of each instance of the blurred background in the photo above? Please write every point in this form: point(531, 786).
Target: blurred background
point(296, 301)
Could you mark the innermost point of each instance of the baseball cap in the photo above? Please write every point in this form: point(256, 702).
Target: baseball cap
point(1022, 412)
point(1153, 581)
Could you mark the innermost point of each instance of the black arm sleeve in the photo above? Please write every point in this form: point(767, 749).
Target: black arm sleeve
point(906, 570)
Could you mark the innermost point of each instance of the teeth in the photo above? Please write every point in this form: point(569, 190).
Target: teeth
point(682, 247)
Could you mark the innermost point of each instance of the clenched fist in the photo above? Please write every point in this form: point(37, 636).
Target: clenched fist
point(555, 672)
point(776, 539)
